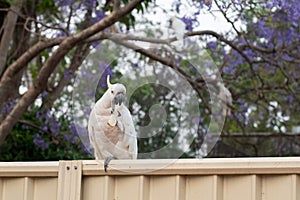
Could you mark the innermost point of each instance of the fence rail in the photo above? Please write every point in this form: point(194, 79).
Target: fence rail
point(204, 179)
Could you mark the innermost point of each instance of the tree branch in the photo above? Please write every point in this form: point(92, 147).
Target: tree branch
point(68, 43)
point(10, 23)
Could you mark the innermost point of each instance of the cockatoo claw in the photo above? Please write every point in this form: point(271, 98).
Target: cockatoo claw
point(106, 162)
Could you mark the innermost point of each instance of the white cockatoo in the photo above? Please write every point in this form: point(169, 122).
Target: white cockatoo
point(178, 27)
point(226, 99)
point(111, 130)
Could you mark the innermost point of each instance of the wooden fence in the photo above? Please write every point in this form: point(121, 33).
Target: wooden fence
point(199, 179)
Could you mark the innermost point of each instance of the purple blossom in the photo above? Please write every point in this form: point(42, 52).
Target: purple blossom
point(40, 142)
point(229, 70)
point(68, 74)
point(190, 22)
point(99, 15)
point(197, 120)
point(71, 138)
point(39, 114)
point(97, 44)
point(60, 33)
point(25, 127)
point(212, 45)
point(73, 135)
point(87, 111)
point(54, 126)
point(89, 3)
point(50, 122)
point(86, 150)
point(8, 107)
point(64, 2)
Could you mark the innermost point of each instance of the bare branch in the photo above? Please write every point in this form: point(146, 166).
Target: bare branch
point(78, 57)
point(22, 62)
point(10, 23)
point(68, 43)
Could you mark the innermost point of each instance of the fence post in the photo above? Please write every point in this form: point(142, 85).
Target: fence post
point(69, 180)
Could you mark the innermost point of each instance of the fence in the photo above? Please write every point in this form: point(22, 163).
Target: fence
point(199, 179)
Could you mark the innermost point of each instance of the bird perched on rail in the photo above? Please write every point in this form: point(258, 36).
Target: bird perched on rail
point(111, 130)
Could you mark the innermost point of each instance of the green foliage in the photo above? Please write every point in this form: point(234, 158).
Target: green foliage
point(5, 3)
point(20, 146)
point(44, 6)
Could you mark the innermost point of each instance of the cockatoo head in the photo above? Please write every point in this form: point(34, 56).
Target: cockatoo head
point(116, 91)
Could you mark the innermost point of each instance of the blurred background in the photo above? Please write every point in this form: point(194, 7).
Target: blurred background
point(47, 91)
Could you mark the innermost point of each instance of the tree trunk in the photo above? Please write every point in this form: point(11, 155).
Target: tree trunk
point(9, 28)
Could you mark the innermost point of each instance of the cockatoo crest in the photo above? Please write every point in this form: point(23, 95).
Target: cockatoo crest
point(114, 89)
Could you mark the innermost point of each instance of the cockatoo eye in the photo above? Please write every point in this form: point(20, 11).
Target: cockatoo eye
point(112, 92)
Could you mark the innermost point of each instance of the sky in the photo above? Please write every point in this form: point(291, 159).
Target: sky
point(208, 21)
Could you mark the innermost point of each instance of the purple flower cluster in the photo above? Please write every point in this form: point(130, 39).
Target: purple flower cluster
point(77, 132)
point(50, 124)
point(190, 22)
point(61, 3)
point(40, 142)
point(99, 15)
point(8, 107)
point(68, 74)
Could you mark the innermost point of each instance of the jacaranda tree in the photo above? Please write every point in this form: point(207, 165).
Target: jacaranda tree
point(43, 44)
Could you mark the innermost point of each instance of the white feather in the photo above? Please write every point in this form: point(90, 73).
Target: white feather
point(178, 27)
point(226, 98)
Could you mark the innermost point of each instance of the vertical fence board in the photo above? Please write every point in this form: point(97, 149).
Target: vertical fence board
point(144, 187)
point(180, 187)
point(244, 187)
point(93, 188)
point(69, 180)
point(277, 187)
point(28, 188)
point(13, 189)
point(127, 187)
point(45, 188)
point(98, 188)
point(109, 185)
point(163, 186)
point(296, 187)
point(218, 182)
point(1, 188)
point(199, 188)
point(256, 187)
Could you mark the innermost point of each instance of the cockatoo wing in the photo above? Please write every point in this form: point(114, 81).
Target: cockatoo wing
point(113, 141)
point(128, 142)
point(103, 137)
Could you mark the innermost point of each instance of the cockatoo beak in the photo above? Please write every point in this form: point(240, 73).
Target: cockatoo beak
point(119, 99)
point(108, 81)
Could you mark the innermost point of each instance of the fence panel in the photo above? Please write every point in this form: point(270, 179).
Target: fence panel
point(188, 179)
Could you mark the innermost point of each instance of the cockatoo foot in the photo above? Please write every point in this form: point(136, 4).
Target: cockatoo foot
point(106, 162)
